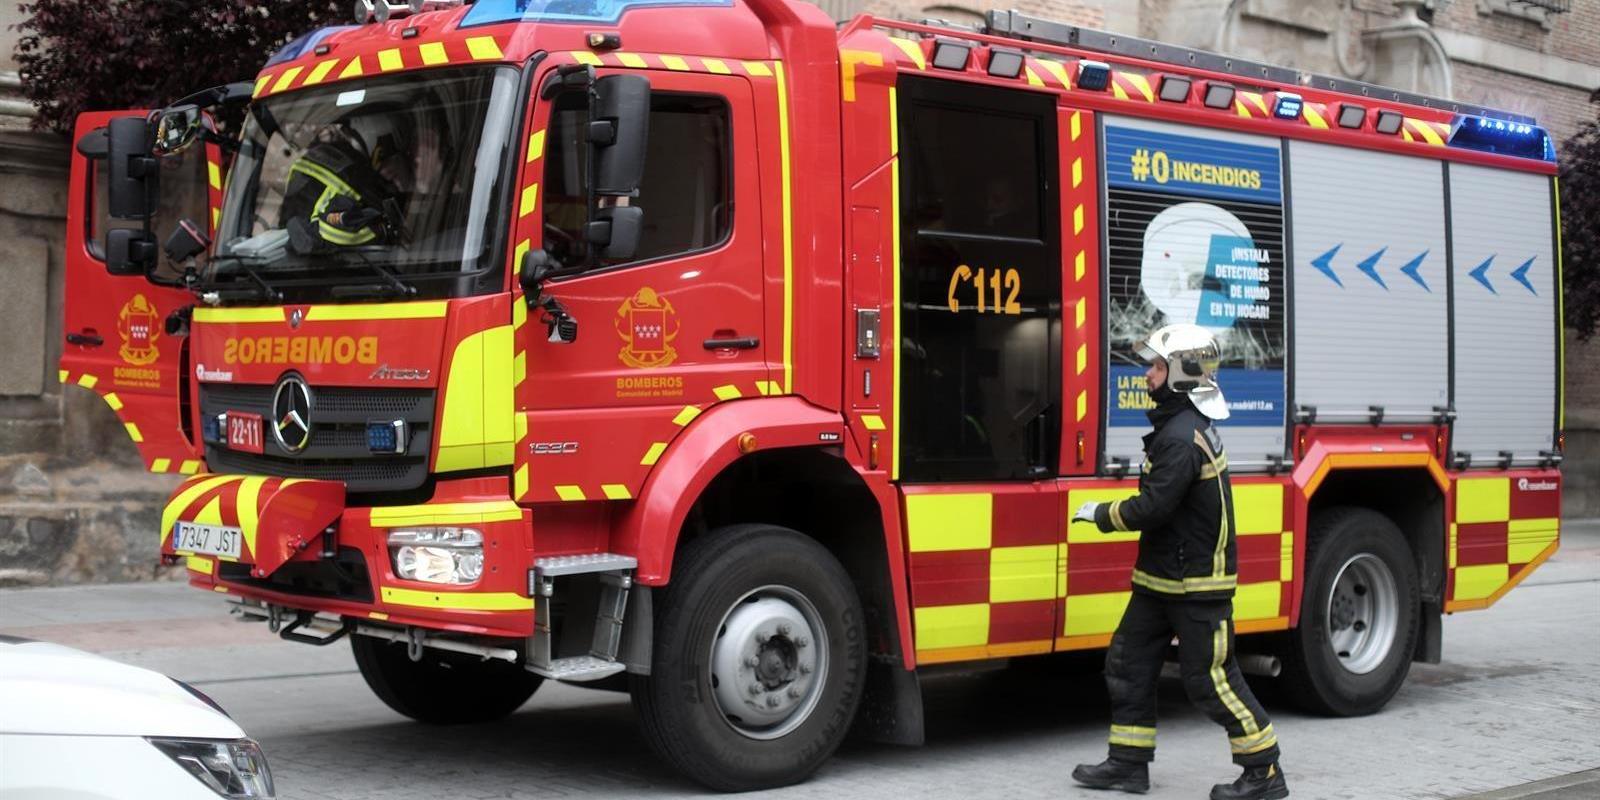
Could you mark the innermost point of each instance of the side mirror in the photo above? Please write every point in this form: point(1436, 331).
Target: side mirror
point(613, 233)
point(134, 176)
point(536, 266)
point(619, 126)
point(130, 251)
point(177, 128)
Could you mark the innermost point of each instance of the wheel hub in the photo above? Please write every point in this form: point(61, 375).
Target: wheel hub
point(1363, 613)
point(768, 662)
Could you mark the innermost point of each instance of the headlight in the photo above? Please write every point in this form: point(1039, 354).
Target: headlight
point(437, 555)
point(233, 769)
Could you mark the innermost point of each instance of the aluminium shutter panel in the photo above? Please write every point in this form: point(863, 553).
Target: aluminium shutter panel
point(1370, 291)
point(1505, 307)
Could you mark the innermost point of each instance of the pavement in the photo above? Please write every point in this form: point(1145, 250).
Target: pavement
point(1512, 712)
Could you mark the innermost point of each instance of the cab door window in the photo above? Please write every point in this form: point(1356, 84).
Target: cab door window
point(685, 191)
point(980, 309)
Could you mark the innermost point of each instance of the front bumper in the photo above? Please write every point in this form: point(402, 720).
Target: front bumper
point(303, 548)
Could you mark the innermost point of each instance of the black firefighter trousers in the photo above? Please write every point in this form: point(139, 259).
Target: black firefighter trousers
point(1210, 676)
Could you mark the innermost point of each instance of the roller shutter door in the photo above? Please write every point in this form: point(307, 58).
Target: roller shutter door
point(1371, 310)
point(1505, 306)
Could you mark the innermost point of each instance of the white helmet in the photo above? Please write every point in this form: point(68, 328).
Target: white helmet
point(1192, 356)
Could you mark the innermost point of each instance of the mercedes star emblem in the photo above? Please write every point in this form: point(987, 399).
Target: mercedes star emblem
point(295, 317)
point(291, 414)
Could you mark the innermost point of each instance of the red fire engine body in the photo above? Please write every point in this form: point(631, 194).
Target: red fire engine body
point(828, 423)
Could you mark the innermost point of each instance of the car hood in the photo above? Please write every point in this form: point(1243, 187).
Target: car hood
point(50, 689)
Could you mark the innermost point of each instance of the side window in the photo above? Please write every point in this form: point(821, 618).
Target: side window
point(980, 276)
point(686, 191)
point(184, 195)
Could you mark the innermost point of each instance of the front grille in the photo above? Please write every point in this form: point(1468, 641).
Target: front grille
point(338, 446)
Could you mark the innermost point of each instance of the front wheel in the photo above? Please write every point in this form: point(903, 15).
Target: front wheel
point(444, 687)
point(1359, 616)
point(758, 662)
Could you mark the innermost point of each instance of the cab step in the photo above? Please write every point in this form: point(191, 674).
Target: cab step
point(614, 574)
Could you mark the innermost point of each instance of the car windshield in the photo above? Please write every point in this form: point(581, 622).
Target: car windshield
point(393, 181)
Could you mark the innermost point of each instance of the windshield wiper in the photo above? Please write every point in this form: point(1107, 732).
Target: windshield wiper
point(391, 281)
point(261, 291)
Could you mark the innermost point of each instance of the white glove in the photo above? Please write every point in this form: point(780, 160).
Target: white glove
point(1086, 512)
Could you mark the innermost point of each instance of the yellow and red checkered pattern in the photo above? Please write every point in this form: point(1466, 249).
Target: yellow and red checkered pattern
point(1504, 526)
point(996, 571)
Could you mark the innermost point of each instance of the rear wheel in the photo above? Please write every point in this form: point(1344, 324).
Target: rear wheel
point(443, 688)
point(758, 662)
point(1359, 616)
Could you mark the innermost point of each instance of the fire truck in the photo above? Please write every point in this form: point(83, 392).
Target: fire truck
point(752, 363)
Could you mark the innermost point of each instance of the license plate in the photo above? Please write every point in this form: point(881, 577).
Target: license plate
point(244, 431)
point(212, 540)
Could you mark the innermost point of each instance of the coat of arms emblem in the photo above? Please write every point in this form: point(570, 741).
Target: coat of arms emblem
point(647, 324)
point(139, 324)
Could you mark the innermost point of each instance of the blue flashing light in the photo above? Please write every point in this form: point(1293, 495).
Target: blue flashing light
point(1502, 136)
point(1093, 76)
point(1287, 106)
point(211, 428)
point(491, 12)
point(305, 44)
point(382, 437)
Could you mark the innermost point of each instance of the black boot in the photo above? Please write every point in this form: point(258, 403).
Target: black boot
point(1257, 783)
point(1127, 776)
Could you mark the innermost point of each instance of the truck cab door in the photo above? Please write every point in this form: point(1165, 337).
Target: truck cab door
point(117, 342)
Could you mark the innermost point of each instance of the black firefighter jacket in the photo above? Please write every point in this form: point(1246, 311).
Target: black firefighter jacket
point(1184, 508)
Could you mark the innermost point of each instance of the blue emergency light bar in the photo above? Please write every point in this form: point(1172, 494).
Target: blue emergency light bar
point(1502, 136)
point(490, 12)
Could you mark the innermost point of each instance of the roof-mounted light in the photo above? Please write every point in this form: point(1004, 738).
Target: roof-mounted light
point(1217, 95)
point(1388, 122)
point(382, 11)
point(1174, 89)
point(1005, 63)
point(950, 55)
point(1506, 137)
point(1287, 105)
point(1094, 76)
point(1351, 115)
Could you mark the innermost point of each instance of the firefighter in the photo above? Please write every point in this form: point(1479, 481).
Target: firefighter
point(1183, 579)
point(349, 188)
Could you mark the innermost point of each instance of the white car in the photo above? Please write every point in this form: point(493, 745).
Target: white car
point(73, 724)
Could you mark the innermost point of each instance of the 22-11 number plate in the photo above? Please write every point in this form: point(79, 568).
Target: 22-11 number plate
point(212, 540)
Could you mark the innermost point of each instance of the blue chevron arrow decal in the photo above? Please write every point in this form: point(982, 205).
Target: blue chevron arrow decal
point(1520, 275)
point(1324, 264)
point(1410, 270)
point(1478, 274)
point(1369, 265)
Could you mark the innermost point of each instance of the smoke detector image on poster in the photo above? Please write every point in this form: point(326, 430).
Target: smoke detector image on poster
point(1181, 245)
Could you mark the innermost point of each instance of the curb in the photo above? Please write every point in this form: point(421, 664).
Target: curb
point(1577, 785)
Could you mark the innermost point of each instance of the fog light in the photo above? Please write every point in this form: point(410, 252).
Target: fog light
point(437, 555)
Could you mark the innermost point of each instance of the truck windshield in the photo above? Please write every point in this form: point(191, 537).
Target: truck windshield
point(388, 185)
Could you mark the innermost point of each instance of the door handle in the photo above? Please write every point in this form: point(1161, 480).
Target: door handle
point(85, 339)
point(733, 343)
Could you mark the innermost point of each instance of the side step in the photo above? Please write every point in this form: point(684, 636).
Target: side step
point(615, 573)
